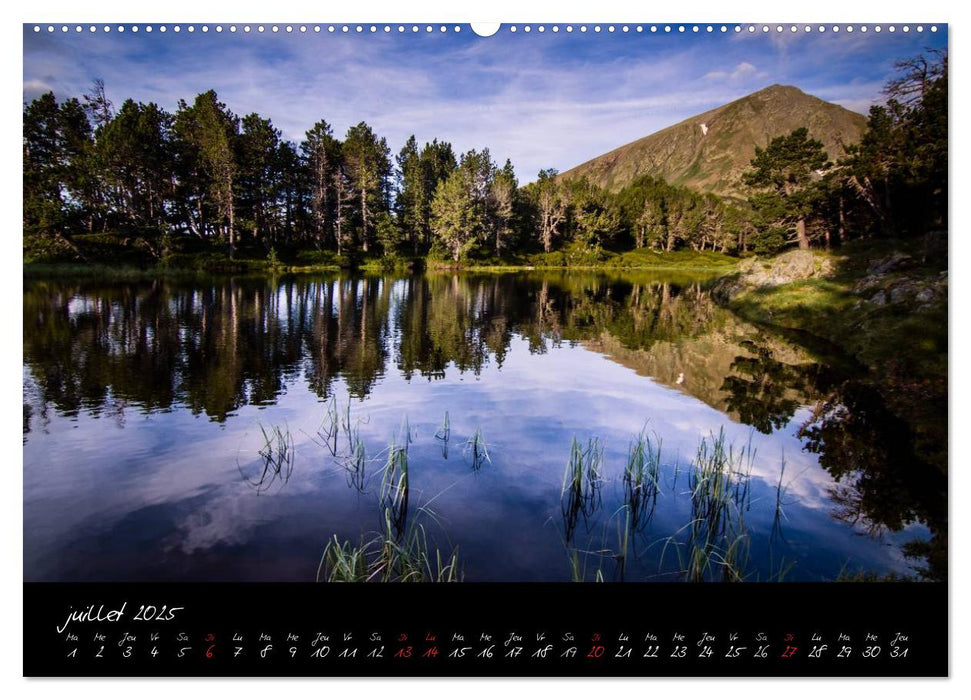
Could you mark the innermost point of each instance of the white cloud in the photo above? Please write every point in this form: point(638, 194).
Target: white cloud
point(743, 71)
point(535, 102)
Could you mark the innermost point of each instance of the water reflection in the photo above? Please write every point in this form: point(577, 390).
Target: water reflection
point(115, 372)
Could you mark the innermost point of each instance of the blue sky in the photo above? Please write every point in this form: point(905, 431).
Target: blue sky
point(543, 100)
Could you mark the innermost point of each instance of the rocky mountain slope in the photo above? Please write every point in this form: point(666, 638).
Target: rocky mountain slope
point(709, 152)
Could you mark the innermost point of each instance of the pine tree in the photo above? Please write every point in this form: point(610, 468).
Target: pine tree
point(207, 132)
point(321, 152)
point(788, 168)
point(503, 194)
point(368, 164)
point(551, 207)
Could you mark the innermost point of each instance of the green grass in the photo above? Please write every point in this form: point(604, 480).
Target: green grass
point(642, 478)
point(395, 488)
point(277, 455)
point(578, 256)
point(714, 544)
point(330, 428)
point(806, 305)
point(852, 308)
point(678, 259)
point(443, 434)
point(399, 551)
point(719, 486)
point(102, 272)
point(580, 493)
point(386, 557)
point(477, 450)
point(780, 502)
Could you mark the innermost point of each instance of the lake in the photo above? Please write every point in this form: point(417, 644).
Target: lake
point(551, 426)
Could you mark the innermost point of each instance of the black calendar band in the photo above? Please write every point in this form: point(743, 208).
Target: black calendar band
point(356, 630)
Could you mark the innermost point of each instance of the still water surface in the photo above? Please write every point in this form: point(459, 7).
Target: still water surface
point(145, 406)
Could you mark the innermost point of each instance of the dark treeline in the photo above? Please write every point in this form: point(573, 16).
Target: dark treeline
point(205, 179)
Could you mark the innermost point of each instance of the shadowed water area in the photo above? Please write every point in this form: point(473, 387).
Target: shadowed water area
point(598, 427)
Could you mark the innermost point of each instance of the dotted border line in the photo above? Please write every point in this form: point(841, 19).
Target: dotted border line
point(512, 29)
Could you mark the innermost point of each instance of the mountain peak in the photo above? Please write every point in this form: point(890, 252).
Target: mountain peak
point(710, 151)
point(778, 88)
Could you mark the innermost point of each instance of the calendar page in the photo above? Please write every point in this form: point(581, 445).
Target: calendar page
point(437, 349)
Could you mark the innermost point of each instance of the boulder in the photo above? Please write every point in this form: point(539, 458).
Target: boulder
point(892, 263)
point(789, 267)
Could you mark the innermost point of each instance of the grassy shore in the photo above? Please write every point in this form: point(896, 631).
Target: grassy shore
point(311, 262)
point(884, 304)
point(580, 258)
